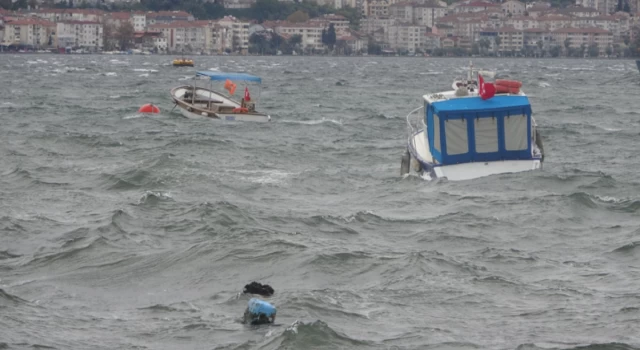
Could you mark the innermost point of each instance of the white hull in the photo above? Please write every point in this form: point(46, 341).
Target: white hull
point(420, 155)
point(226, 116)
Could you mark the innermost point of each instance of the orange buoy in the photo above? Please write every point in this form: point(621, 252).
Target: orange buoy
point(149, 108)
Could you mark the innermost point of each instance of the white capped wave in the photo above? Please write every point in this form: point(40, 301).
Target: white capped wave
point(313, 122)
point(264, 177)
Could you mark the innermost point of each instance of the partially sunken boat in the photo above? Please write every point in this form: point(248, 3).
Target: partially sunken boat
point(478, 129)
point(199, 102)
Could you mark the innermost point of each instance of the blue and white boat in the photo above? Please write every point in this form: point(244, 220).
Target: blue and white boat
point(461, 134)
point(203, 102)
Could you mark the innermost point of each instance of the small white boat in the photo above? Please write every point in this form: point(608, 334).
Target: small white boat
point(199, 102)
point(467, 133)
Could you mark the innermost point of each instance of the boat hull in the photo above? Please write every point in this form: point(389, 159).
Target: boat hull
point(244, 117)
point(420, 162)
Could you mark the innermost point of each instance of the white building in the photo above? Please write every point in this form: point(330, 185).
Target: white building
point(514, 7)
point(310, 32)
point(139, 21)
point(84, 34)
point(187, 36)
point(239, 33)
point(405, 37)
point(33, 32)
point(426, 14)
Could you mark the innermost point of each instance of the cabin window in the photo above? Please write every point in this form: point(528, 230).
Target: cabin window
point(456, 134)
point(486, 135)
point(436, 133)
point(515, 133)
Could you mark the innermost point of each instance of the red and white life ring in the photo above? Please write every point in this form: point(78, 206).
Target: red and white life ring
point(241, 110)
point(509, 83)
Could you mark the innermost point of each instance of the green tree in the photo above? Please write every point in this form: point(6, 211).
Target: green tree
point(298, 17)
point(475, 48)
point(373, 48)
point(593, 50)
point(108, 37)
point(555, 51)
point(331, 36)
point(352, 15)
point(295, 39)
point(259, 44)
point(124, 35)
point(20, 4)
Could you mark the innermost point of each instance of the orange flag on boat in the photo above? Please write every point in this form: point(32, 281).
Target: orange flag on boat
point(230, 86)
point(247, 97)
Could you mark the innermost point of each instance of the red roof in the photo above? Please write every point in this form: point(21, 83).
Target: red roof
point(79, 22)
point(535, 30)
point(120, 15)
point(29, 22)
point(180, 24)
point(480, 4)
point(592, 30)
point(80, 11)
point(302, 25)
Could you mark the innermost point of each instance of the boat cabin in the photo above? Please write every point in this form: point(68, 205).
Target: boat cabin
point(470, 129)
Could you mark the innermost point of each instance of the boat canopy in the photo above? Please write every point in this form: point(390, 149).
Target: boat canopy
point(231, 76)
point(471, 129)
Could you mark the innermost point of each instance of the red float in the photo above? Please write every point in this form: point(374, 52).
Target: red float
point(149, 108)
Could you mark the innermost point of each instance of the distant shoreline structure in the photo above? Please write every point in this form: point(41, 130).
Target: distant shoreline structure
point(42, 52)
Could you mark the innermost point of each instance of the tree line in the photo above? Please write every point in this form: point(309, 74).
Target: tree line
point(261, 10)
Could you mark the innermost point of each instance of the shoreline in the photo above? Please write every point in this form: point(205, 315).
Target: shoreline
point(341, 56)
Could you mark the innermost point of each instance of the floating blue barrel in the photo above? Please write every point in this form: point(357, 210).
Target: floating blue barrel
point(259, 312)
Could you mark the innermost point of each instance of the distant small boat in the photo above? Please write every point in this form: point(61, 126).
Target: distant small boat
point(183, 62)
point(198, 102)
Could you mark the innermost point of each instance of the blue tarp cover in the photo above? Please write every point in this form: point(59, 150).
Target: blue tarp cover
point(231, 76)
point(476, 104)
point(465, 112)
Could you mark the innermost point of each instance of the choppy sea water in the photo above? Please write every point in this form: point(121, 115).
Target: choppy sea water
point(125, 231)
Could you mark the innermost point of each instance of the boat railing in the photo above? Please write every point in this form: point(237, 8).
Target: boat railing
point(415, 123)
